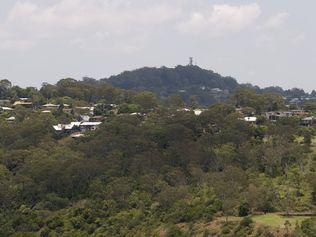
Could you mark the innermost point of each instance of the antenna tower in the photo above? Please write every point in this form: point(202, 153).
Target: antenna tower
point(191, 61)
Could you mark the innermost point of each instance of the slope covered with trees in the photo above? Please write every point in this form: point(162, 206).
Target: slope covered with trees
point(194, 84)
point(163, 171)
point(189, 81)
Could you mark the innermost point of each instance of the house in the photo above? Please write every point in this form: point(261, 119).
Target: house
point(74, 128)
point(11, 119)
point(23, 103)
point(216, 90)
point(50, 106)
point(77, 135)
point(198, 112)
point(308, 121)
point(5, 109)
point(252, 120)
point(276, 115)
point(46, 112)
point(84, 118)
point(89, 126)
point(24, 99)
point(97, 119)
point(299, 112)
point(135, 113)
point(183, 110)
point(67, 128)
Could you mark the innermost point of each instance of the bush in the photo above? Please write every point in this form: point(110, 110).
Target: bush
point(309, 227)
point(244, 209)
point(246, 222)
point(174, 231)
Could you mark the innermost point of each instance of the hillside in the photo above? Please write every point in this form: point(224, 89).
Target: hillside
point(192, 82)
point(82, 158)
point(205, 86)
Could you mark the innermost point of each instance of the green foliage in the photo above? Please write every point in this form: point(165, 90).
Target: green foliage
point(260, 102)
point(244, 209)
point(308, 227)
point(190, 81)
point(150, 174)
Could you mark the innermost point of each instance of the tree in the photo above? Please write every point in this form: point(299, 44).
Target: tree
point(146, 100)
point(5, 86)
point(244, 209)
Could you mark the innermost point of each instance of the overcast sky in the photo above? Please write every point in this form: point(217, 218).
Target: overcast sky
point(264, 42)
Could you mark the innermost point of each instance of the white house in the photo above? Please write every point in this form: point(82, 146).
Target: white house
point(5, 109)
point(50, 106)
point(11, 119)
point(250, 119)
point(198, 112)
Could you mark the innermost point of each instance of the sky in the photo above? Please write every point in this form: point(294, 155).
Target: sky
point(263, 42)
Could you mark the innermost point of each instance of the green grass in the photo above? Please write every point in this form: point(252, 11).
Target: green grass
point(274, 220)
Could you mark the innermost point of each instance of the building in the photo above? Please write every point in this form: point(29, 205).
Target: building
point(50, 106)
point(89, 126)
point(198, 112)
point(76, 127)
point(11, 119)
point(97, 119)
point(67, 128)
point(252, 120)
point(276, 115)
point(77, 135)
point(23, 103)
point(308, 121)
point(5, 109)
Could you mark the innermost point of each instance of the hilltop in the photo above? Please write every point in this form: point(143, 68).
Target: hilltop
point(193, 83)
point(205, 86)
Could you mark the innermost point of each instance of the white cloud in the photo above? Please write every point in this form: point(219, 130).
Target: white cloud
point(219, 20)
point(16, 45)
point(298, 38)
point(276, 31)
point(119, 25)
point(87, 20)
point(276, 22)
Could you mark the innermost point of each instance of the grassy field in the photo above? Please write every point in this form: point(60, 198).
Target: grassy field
point(277, 221)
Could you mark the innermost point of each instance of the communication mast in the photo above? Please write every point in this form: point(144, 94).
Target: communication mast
point(191, 61)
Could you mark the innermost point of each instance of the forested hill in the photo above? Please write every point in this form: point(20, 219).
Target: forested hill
point(205, 86)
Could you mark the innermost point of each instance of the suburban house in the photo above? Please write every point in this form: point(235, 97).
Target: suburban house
point(77, 135)
point(67, 128)
point(276, 115)
point(97, 119)
point(23, 103)
point(5, 109)
point(89, 126)
point(308, 121)
point(50, 106)
point(76, 127)
point(11, 119)
point(252, 120)
point(46, 111)
point(84, 118)
point(198, 112)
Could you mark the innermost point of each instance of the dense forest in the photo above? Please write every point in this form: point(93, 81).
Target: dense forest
point(154, 167)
